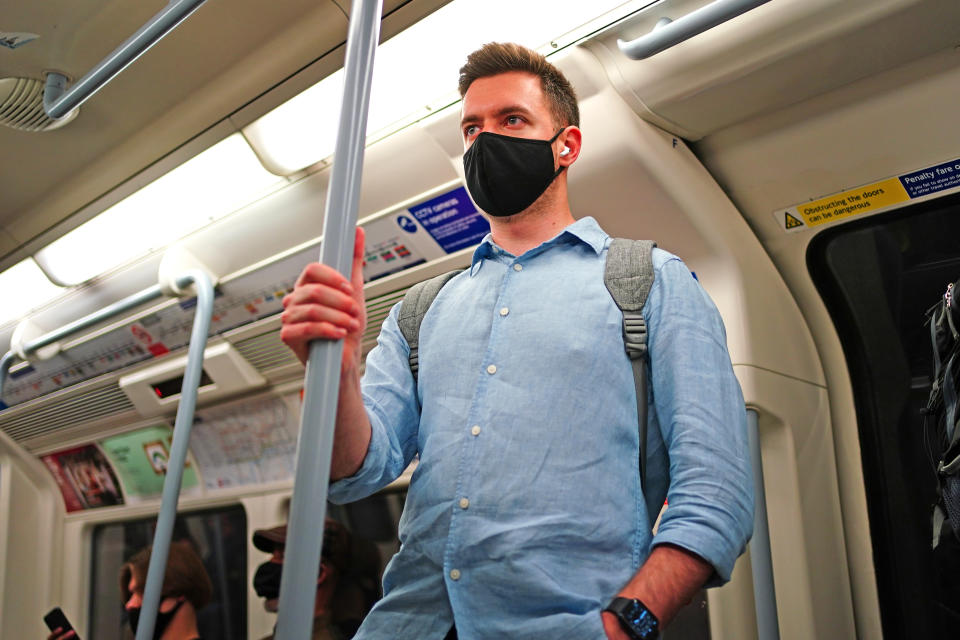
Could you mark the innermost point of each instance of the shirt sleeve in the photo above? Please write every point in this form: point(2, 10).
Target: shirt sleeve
point(390, 398)
point(702, 419)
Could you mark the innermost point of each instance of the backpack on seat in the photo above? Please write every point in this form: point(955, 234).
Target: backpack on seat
point(628, 277)
point(941, 415)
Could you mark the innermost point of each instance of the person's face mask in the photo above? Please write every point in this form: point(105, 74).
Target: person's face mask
point(163, 619)
point(505, 175)
point(266, 581)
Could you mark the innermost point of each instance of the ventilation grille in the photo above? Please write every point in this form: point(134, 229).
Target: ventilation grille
point(265, 352)
point(54, 414)
point(21, 106)
point(377, 311)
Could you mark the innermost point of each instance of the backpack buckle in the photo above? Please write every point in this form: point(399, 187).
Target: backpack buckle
point(635, 334)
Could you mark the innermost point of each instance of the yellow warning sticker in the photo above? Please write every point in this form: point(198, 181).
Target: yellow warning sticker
point(928, 182)
point(853, 202)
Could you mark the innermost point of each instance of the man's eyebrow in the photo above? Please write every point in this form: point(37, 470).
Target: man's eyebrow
point(514, 108)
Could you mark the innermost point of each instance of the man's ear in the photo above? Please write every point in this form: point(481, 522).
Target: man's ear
point(324, 574)
point(168, 603)
point(572, 139)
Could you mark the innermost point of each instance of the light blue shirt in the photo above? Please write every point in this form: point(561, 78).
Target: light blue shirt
point(525, 514)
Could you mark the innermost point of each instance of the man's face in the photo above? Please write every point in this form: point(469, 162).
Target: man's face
point(511, 104)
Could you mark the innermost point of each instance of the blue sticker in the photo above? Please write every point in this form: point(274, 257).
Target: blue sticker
point(932, 179)
point(452, 220)
point(407, 224)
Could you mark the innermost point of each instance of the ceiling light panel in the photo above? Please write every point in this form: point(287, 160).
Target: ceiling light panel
point(222, 179)
point(24, 287)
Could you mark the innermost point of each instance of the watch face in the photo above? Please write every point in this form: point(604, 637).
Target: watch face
point(640, 618)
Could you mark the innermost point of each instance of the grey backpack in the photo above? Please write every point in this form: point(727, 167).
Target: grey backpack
point(628, 277)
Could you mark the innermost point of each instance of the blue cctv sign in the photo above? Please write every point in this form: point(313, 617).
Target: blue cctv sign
point(451, 219)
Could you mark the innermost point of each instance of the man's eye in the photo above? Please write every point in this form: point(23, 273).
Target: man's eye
point(514, 120)
point(470, 130)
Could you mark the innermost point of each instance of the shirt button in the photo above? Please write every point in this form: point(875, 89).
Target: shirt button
point(492, 369)
point(475, 430)
point(504, 311)
point(518, 267)
point(464, 503)
point(454, 574)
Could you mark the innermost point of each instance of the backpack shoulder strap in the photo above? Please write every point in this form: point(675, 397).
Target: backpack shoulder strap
point(415, 304)
point(628, 277)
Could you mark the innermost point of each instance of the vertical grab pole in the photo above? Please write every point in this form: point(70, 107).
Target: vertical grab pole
point(298, 583)
point(764, 594)
point(178, 451)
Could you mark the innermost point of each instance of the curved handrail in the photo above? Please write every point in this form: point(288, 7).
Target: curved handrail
point(58, 101)
point(5, 363)
point(668, 34)
point(178, 450)
point(182, 427)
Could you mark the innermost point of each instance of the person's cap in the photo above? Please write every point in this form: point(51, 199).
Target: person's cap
point(269, 539)
point(336, 542)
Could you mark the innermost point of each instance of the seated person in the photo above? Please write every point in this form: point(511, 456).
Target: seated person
point(348, 582)
point(186, 590)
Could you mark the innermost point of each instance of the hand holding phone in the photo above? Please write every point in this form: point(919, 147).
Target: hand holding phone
point(60, 627)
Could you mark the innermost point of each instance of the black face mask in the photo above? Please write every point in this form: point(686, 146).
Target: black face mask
point(266, 581)
point(163, 620)
point(505, 175)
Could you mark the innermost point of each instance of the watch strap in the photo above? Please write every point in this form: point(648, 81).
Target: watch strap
point(636, 619)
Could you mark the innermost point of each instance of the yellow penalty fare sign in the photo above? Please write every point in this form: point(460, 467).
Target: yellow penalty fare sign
point(853, 202)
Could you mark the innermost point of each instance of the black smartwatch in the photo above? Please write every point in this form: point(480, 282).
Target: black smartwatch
point(638, 621)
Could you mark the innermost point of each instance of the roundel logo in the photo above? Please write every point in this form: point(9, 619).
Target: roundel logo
point(407, 224)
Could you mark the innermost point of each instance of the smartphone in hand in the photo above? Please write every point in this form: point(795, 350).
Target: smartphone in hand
point(56, 619)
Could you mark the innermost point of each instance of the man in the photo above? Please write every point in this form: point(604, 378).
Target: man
point(346, 583)
point(525, 516)
point(186, 589)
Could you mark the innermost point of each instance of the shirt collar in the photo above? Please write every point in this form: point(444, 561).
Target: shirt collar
point(584, 230)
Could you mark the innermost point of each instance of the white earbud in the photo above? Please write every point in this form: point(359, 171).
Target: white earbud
point(565, 151)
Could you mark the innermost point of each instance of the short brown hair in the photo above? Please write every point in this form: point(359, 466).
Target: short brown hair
point(496, 58)
point(185, 575)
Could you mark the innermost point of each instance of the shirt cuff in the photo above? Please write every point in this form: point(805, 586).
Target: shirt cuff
point(720, 550)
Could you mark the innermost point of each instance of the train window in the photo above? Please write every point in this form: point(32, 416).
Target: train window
point(220, 538)
point(878, 277)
